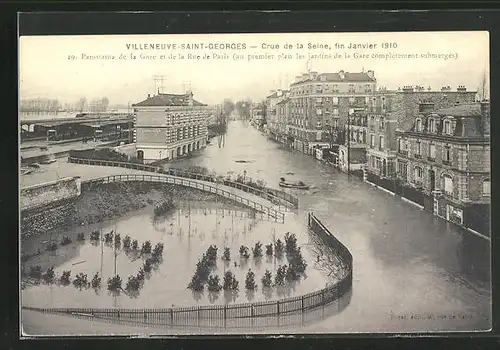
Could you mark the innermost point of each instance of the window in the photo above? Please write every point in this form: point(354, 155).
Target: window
point(448, 184)
point(401, 144)
point(432, 151)
point(487, 188)
point(418, 125)
point(335, 100)
point(447, 154)
point(418, 174)
point(447, 127)
point(352, 100)
point(335, 111)
point(372, 141)
point(381, 124)
point(418, 150)
point(319, 100)
point(319, 111)
point(432, 125)
point(367, 100)
point(381, 143)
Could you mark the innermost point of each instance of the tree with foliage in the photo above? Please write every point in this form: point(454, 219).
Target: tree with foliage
point(135, 245)
point(213, 284)
point(230, 283)
point(250, 280)
point(257, 250)
point(146, 247)
point(126, 242)
point(49, 275)
point(117, 239)
point(226, 256)
point(80, 237)
point(157, 251)
point(133, 284)
point(244, 252)
point(297, 261)
point(211, 255)
point(65, 277)
point(291, 274)
point(148, 266)
point(95, 235)
point(267, 279)
point(290, 243)
point(227, 107)
point(279, 247)
point(115, 283)
point(108, 237)
point(81, 280)
point(96, 281)
point(269, 249)
point(243, 109)
point(279, 279)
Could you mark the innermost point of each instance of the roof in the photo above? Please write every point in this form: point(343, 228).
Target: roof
point(335, 77)
point(275, 94)
point(168, 100)
point(465, 110)
point(286, 100)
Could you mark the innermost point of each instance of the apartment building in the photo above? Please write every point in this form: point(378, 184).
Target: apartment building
point(445, 155)
point(321, 103)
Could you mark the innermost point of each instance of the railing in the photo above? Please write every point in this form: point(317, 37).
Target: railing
point(272, 195)
point(271, 213)
point(238, 314)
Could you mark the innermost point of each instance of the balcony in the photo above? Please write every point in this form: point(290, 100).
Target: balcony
point(447, 162)
point(417, 156)
point(431, 159)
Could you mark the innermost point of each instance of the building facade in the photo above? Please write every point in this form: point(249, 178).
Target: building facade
point(389, 111)
point(272, 101)
point(446, 156)
point(321, 102)
point(169, 126)
point(283, 112)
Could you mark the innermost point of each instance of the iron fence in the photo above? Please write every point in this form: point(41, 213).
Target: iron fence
point(236, 315)
point(272, 195)
point(269, 212)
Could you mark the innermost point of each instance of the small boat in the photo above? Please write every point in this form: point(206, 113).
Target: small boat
point(49, 161)
point(298, 185)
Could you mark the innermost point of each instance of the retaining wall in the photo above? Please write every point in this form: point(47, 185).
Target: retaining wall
point(37, 196)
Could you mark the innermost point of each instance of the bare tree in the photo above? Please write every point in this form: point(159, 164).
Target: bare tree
point(483, 90)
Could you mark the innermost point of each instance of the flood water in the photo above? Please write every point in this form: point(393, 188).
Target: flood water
point(412, 272)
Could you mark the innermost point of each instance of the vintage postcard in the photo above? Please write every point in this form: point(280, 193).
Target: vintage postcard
point(255, 183)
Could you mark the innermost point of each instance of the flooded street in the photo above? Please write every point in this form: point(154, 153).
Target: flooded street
point(406, 261)
point(412, 271)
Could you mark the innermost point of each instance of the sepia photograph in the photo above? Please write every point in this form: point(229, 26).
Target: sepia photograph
point(274, 183)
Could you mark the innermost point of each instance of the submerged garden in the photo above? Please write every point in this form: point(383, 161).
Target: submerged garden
point(137, 245)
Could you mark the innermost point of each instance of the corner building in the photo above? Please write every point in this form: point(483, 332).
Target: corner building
point(446, 156)
point(321, 103)
point(168, 126)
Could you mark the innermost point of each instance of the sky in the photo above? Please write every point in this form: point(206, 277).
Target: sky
point(47, 69)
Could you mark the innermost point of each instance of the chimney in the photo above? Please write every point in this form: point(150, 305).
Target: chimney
point(408, 88)
point(485, 117)
point(149, 95)
point(342, 75)
point(371, 74)
point(425, 107)
point(461, 88)
point(446, 89)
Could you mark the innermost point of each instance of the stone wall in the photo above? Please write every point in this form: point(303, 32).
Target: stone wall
point(43, 194)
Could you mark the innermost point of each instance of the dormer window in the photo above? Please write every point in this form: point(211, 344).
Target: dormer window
point(418, 125)
point(432, 125)
point(447, 127)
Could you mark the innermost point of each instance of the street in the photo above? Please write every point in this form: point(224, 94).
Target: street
point(406, 261)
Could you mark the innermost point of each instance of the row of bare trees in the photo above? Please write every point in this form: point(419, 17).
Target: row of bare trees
point(52, 106)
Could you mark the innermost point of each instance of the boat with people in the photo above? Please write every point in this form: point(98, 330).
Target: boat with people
point(297, 184)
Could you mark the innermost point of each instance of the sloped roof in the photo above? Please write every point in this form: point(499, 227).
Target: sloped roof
point(168, 100)
point(275, 94)
point(335, 77)
point(465, 110)
point(283, 101)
